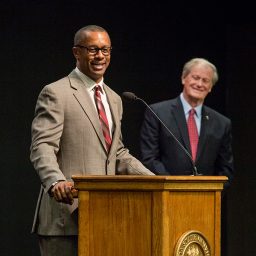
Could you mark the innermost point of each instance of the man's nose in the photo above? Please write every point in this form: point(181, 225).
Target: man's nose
point(99, 54)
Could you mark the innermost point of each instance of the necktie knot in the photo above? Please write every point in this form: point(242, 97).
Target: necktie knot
point(192, 111)
point(97, 89)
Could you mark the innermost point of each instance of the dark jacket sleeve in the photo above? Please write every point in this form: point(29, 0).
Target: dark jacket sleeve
point(149, 144)
point(224, 161)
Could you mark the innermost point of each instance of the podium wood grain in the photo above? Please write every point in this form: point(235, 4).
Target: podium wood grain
point(146, 215)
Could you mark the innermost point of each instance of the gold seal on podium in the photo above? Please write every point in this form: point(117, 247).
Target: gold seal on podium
point(192, 243)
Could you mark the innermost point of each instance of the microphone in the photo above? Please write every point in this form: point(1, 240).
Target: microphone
point(130, 96)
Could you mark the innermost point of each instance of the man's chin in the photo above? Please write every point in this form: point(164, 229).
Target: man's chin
point(196, 99)
point(98, 73)
point(96, 76)
point(198, 96)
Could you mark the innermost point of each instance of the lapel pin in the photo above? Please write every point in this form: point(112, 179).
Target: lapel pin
point(207, 117)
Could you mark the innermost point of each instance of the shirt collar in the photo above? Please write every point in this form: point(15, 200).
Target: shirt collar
point(88, 82)
point(187, 107)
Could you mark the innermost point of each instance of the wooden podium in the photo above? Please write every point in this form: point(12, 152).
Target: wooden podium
point(149, 215)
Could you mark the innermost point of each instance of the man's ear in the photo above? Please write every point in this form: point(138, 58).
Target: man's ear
point(182, 80)
point(76, 52)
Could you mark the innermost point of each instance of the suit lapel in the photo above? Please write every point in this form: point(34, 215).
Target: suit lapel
point(115, 116)
point(82, 96)
point(205, 128)
point(180, 120)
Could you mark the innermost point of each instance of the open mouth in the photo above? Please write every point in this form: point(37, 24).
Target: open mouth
point(98, 66)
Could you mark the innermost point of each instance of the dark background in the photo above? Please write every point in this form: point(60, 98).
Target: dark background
point(151, 42)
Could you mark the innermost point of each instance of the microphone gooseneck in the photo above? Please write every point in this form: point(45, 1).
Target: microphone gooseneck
point(132, 97)
point(129, 96)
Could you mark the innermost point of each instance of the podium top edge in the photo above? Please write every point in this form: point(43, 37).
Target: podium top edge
point(148, 178)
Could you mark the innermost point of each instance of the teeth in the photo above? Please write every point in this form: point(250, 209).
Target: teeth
point(98, 66)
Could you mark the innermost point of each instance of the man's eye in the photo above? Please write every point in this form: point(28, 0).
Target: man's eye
point(196, 77)
point(92, 50)
point(206, 81)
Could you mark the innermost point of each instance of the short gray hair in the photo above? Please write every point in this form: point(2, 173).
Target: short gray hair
point(193, 62)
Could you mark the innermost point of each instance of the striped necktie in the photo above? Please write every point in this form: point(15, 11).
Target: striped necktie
point(102, 116)
point(193, 133)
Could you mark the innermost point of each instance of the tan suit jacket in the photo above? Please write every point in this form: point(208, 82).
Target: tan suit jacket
point(67, 139)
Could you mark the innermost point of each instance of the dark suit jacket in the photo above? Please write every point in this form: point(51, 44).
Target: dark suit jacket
point(162, 154)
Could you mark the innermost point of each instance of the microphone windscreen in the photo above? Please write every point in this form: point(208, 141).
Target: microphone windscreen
point(129, 96)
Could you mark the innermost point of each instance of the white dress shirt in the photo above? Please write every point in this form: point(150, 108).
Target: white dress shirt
point(90, 84)
point(198, 112)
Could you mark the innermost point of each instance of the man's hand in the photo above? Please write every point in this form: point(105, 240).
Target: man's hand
point(62, 192)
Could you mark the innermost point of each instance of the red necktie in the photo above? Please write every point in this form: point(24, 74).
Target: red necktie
point(102, 116)
point(193, 133)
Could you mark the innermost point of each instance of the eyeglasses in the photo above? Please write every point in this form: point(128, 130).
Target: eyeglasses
point(94, 50)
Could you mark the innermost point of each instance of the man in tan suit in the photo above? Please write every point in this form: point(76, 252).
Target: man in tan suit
point(67, 139)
